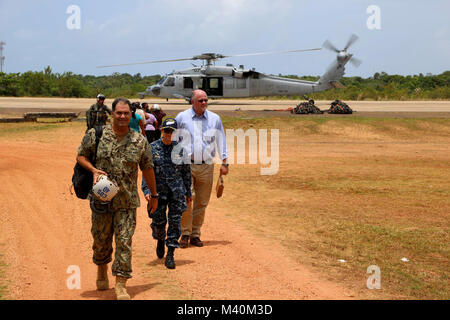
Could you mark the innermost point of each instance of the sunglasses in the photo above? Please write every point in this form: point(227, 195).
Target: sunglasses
point(202, 100)
point(168, 130)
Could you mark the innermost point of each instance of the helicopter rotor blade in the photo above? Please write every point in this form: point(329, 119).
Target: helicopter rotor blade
point(352, 40)
point(207, 56)
point(328, 45)
point(270, 52)
point(355, 62)
point(136, 63)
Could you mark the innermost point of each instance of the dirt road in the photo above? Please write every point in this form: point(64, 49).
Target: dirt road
point(44, 230)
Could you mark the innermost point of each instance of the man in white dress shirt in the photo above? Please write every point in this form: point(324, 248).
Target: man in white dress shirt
point(205, 130)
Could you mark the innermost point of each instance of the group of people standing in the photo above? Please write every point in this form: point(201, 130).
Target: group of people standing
point(177, 177)
point(144, 119)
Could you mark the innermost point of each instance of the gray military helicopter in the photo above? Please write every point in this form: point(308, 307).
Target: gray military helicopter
point(231, 82)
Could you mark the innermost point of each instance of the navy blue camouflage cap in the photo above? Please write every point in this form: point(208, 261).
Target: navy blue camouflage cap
point(169, 123)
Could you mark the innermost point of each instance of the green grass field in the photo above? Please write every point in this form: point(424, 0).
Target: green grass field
point(366, 190)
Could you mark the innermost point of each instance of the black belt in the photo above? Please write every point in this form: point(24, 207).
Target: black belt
point(192, 161)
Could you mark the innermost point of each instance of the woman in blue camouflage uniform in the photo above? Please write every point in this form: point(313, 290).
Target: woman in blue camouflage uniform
point(173, 182)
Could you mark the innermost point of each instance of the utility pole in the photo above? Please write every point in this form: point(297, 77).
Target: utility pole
point(2, 58)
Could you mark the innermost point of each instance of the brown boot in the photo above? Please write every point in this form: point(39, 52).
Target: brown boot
point(121, 290)
point(102, 277)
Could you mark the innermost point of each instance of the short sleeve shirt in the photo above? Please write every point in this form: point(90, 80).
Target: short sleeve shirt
point(120, 160)
point(134, 123)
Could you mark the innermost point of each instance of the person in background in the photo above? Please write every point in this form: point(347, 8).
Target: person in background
point(97, 115)
point(150, 124)
point(159, 114)
point(137, 123)
point(139, 110)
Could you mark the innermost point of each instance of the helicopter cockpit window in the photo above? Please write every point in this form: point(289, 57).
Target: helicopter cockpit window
point(162, 80)
point(170, 82)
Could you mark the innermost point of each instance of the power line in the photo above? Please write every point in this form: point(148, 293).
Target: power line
point(2, 58)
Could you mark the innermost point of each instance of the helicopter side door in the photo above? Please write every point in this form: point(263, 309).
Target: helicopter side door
point(188, 86)
point(213, 86)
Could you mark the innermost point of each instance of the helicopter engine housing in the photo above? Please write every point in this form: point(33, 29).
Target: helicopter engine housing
point(217, 70)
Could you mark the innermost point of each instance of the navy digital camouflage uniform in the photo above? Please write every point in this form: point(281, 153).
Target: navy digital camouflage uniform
point(173, 182)
point(120, 160)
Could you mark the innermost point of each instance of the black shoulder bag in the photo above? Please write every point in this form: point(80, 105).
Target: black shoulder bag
point(82, 179)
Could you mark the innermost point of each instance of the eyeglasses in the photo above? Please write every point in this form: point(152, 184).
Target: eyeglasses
point(202, 100)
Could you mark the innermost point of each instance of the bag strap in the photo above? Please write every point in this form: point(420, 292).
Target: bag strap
point(98, 135)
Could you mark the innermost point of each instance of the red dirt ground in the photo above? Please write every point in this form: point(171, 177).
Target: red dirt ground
point(44, 230)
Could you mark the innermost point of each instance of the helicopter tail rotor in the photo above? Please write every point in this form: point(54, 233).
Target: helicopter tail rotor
point(355, 62)
point(328, 45)
point(353, 38)
point(343, 56)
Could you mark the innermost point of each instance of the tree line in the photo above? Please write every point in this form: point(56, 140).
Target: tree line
point(381, 86)
point(48, 84)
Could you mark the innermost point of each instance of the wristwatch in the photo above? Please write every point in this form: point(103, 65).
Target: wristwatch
point(154, 196)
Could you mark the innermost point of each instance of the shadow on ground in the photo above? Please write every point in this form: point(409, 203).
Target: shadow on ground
point(178, 262)
point(110, 294)
point(216, 243)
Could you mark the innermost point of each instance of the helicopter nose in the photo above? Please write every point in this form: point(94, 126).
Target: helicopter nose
point(156, 89)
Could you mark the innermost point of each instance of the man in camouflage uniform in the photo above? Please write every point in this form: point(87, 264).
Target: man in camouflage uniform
point(97, 113)
point(120, 152)
point(173, 181)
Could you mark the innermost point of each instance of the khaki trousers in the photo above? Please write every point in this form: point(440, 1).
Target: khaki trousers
point(202, 182)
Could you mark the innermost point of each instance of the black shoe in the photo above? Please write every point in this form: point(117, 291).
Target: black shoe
point(170, 261)
point(160, 249)
point(197, 242)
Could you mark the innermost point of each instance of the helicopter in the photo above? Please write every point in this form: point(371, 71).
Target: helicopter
point(231, 82)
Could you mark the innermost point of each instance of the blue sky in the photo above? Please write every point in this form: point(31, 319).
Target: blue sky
point(414, 36)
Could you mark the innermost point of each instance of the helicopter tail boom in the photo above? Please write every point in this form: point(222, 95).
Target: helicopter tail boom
point(330, 79)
